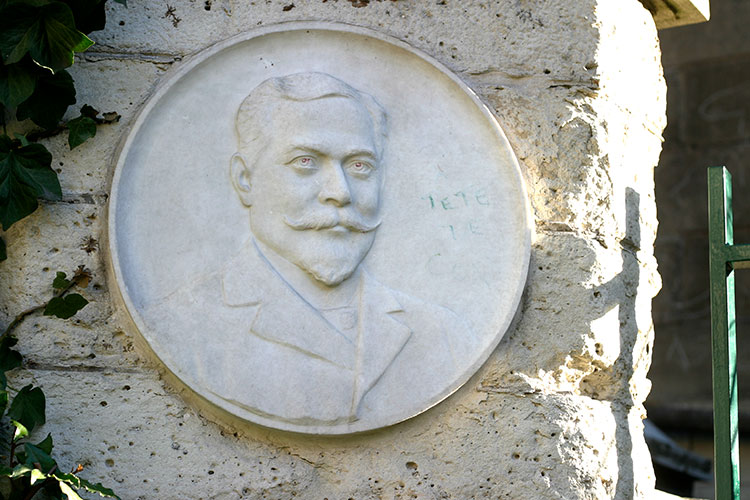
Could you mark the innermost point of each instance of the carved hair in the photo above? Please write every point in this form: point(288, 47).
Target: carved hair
point(251, 121)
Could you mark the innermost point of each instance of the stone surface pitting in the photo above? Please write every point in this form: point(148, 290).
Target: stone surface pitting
point(387, 242)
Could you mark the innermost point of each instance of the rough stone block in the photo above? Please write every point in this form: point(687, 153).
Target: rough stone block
point(525, 445)
point(62, 237)
point(533, 38)
point(52, 239)
point(596, 353)
point(109, 85)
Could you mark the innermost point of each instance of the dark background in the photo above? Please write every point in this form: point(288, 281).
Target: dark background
point(707, 68)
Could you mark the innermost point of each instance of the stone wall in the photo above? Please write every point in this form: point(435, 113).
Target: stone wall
point(555, 412)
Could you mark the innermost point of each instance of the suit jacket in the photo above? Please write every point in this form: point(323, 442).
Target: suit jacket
point(245, 339)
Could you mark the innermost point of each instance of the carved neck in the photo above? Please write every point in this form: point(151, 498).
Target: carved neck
point(313, 291)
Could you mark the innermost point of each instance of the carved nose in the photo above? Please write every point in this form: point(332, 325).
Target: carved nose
point(335, 188)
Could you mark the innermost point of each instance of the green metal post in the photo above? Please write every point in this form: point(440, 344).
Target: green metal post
point(724, 257)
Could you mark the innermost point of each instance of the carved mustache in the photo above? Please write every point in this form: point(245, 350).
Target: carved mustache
point(319, 221)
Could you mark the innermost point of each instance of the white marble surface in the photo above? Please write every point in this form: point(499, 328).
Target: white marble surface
point(339, 329)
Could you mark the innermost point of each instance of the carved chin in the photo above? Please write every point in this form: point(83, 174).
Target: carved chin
point(331, 276)
point(332, 264)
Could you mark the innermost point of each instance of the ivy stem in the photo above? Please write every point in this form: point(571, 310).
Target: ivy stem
point(43, 134)
point(12, 452)
point(2, 119)
point(62, 127)
point(22, 315)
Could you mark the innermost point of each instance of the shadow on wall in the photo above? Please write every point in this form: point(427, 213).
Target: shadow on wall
point(630, 273)
point(628, 280)
point(583, 337)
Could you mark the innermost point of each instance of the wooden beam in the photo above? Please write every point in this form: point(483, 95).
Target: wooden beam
point(672, 13)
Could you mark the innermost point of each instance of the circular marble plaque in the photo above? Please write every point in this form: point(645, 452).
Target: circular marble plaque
point(318, 228)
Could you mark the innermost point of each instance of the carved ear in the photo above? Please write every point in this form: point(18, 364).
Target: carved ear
point(240, 174)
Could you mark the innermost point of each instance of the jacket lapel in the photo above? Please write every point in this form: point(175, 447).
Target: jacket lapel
point(382, 334)
point(282, 316)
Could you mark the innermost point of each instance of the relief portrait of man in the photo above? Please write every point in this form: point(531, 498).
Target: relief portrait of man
point(294, 329)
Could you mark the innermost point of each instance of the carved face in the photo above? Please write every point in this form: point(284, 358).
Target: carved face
point(314, 188)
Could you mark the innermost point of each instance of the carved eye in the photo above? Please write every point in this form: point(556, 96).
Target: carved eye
point(304, 163)
point(360, 167)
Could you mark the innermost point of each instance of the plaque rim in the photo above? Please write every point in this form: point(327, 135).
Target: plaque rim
point(118, 285)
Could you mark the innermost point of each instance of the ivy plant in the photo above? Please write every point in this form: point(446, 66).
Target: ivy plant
point(38, 41)
point(28, 467)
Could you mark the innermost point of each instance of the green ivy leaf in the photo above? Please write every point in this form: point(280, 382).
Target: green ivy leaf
point(25, 174)
point(60, 281)
point(3, 251)
point(21, 470)
point(89, 15)
point(79, 483)
point(37, 475)
point(28, 407)
point(98, 488)
point(36, 457)
point(9, 358)
point(5, 470)
point(51, 98)
point(17, 82)
point(3, 398)
point(47, 32)
point(6, 483)
point(20, 432)
point(69, 492)
point(80, 129)
point(52, 490)
point(65, 307)
point(46, 444)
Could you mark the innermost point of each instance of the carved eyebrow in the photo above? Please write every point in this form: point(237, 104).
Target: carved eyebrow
point(319, 149)
point(305, 149)
point(362, 152)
